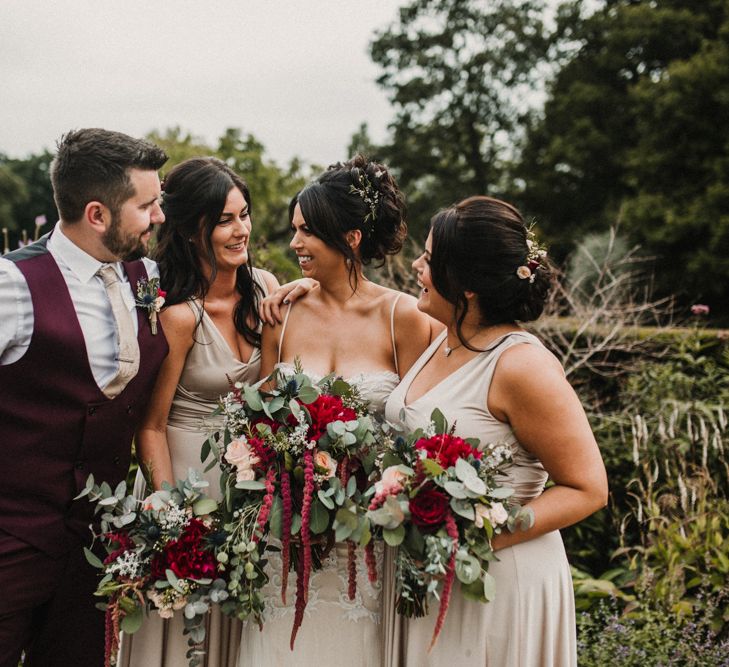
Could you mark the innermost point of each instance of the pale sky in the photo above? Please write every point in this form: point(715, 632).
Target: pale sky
point(297, 75)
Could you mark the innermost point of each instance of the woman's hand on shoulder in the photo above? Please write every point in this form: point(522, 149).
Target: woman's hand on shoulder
point(270, 310)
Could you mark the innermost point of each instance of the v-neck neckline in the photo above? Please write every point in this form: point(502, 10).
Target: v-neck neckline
point(223, 343)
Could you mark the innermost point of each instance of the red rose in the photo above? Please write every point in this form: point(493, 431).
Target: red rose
point(429, 508)
point(447, 449)
point(325, 410)
point(187, 556)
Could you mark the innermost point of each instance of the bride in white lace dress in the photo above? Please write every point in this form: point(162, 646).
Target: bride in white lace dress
point(370, 335)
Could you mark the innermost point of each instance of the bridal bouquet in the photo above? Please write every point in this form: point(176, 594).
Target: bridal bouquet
point(295, 461)
point(438, 500)
point(160, 557)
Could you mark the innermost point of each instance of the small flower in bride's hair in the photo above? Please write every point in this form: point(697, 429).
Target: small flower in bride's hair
point(700, 309)
point(524, 272)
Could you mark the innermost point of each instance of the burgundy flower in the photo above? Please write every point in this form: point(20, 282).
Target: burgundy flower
point(447, 449)
point(429, 508)
point(187, 556)
point(325, 410)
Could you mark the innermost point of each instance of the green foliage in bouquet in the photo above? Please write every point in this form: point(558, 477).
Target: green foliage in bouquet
point(160, 558)
point(438, 500)
point(301, 454)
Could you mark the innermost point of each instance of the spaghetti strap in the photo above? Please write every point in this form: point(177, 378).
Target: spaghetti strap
point(392, 331)
point(283, 331)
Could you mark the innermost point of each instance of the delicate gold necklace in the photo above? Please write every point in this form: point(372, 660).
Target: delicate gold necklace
point(447, 349)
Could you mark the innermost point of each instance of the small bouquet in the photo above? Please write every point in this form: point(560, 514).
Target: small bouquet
point(309, 447)
point(438, 500)
point(160, 557)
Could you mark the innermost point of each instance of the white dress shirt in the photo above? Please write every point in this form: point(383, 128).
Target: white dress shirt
point(89, 298)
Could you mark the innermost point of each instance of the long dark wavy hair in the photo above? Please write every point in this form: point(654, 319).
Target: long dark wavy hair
point(194, 197)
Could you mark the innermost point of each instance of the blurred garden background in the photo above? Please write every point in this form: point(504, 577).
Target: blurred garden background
point(607, 123)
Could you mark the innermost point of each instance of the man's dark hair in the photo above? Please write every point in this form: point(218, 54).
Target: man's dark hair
point(93, 165)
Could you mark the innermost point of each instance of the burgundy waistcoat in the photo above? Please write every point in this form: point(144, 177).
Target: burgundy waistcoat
point(56, 425)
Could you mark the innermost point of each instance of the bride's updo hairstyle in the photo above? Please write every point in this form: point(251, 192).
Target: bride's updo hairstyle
point(480, 245)
point(193, 198)
point(351, 195)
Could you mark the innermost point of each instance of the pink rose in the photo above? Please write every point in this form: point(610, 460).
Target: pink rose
point(391, 482)
point(324, 460)
point(240, 455)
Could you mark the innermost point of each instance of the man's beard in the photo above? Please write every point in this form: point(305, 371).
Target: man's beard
point(125, 246)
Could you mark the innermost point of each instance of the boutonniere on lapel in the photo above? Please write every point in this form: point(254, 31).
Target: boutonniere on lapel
point(151, 298)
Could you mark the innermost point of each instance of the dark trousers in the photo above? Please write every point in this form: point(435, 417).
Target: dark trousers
point(47, 608)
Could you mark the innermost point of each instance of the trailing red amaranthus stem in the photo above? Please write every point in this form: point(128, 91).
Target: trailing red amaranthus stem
point(265, 510)
point(306, 518)
point(110, 642)
point(352, 569)
point(300, 601)
point(452, 530)
point(285, 532)
point(371, 561)
point(344, 471)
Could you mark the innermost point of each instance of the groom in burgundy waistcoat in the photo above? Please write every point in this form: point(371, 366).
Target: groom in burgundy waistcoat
point(66, 409)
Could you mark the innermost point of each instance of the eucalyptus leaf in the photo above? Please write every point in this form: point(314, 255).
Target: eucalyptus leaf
point(92, 559)
point(308, 395)
point(173, 580)
point(295, 523)
point(319, 517)
point(253, 398)
point(250, 485)
point(395, 536)
point(455, 489)
point(468, 568)
point(351, 486)
point(275, 518)
point(132, 622)
point(463, 508)
point(204, 506)
point(489, 586)
point(325, 499)
point(276, 404)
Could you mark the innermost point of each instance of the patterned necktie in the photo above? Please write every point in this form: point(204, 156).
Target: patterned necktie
point(128, 345)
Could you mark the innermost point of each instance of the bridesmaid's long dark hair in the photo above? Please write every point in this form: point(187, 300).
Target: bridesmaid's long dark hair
point(194, 197)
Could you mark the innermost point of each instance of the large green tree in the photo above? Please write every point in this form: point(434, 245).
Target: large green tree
point(458, 73)
point(634, 130)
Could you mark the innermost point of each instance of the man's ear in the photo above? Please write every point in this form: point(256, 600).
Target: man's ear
point(97, 216)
